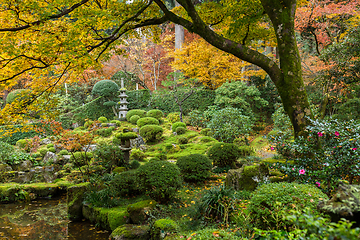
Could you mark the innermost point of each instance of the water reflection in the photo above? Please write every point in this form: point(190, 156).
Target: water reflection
point(44, 219)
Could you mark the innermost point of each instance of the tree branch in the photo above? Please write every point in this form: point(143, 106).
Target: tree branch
point(55, 16)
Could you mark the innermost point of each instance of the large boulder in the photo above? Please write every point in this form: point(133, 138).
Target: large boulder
point(130, 231)
point(247, 177)
point(50, 157)
point(75, 198)
point(138, 212)
point(345, 203)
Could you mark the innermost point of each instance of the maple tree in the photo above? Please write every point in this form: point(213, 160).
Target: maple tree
point(51, 39)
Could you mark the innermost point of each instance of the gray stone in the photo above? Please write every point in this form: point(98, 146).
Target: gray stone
point(137, 142)
point(45, 141)
point(135, 130)
point(25, 165)
point(66, 157)
point(111, 124)
point(89, 148)
point(131, 231)
point(75, 198)
point(50, 157)
point(247, 177)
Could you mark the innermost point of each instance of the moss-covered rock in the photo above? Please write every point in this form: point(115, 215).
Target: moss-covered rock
point(130, 231)
point(75, 198)
point(138, 212)
point(162, 228)
point(345, 203)
point(247, 177)
point(119, 169)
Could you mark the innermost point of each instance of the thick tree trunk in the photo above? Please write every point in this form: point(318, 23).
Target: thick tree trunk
point(290, 86)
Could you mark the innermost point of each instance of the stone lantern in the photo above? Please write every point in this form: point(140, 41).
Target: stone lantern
point(122, 102)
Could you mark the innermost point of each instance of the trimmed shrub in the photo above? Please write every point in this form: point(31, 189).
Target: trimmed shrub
point(134, 164)
point(155, 113)
point(151, 133)
point(63, 152)
point(80, 158)
point(176, 125)
point(180, 130)
point(147, 121)
point(137, 154)
point(173, 117)
point(194, 167)
point(275, 199)
point(160, 179)
point(223, 154)
point(240, 142)
point(52, 149)
point(105, 132)
point(105, 88)
point(246, 151)
point(103, 119)
point(206, 132)
point(134, 119)
point(109, 156)
point(125, 183)
point(183, 140)
point(161, 226)
point(141, 113)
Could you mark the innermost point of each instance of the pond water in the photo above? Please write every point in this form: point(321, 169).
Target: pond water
point(44, 219)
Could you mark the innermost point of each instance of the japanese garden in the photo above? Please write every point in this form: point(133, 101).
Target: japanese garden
point(152, 119)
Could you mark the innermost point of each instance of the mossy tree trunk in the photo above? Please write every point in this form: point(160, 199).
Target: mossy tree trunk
point(287, 77)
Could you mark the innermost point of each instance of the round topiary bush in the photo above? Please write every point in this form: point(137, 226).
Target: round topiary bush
point(141, 113)
point(176, 125)
point(194, 167)
point(180, 130)
point(155, 113)
point(103, 119)
point(173, 117)
point(269, 199)
point(147, 121)
point(151, 133)
point(105, 88)
point(183, 140)
point(134, 119)
point(137, 154)
point(206, 132)
point(134, 164)
point(160, 179)
point(163, 226)
point(63, 152)
point(223, 154)
point(125, 183)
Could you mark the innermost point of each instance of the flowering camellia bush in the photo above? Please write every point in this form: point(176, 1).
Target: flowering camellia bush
point(331, 152)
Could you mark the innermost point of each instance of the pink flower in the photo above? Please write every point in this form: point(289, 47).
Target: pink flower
point(320, 134)
point(302, 171)
point(317, 184)
point(354, 149)
point(293, 169)
point(337, 133)
point(272, 148)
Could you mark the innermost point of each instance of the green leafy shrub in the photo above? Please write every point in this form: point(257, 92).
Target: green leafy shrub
point(151, 133)
point(206, 132)
point(194, 167)
point(81, 158)
point(183, 140)
point(246, 151)
point(126, 184)
point(176, 125)
point(147, 121)
point(160, 179)
point(124, 136)
point(18, 94)
point(105, 88)
point(155, 113)
point(52, 149)
point(23, 143)
point(223, 154)
point(134, 119)
point(240, 142)
point(197, 119)
point(43, 151)
point(103, 119)
point(134, 164)
point(63, 152)
point(213, 234)
point(109, 156)
point(11, 156)
point(141, 113)
point(105, 132)
point(88, 123)
point(229, 123)
point(180, 130)
point(269, 200)
point(281, 119)
point(173, 117)
point(137, 154)
point(329, 153)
